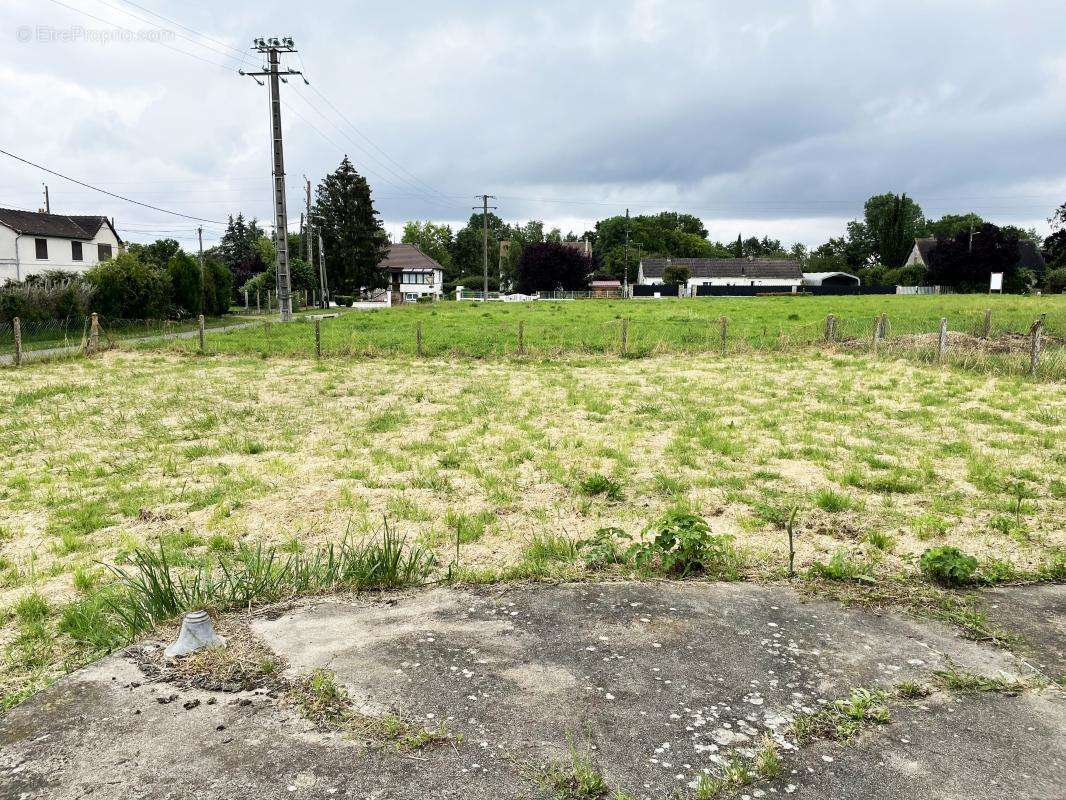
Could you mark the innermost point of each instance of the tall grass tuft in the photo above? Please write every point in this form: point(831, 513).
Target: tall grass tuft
point(152, 590)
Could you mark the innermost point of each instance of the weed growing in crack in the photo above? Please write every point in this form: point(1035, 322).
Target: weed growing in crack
point(576, 777)
point(845, 719)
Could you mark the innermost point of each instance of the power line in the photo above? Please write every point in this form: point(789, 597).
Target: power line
point(105, 191)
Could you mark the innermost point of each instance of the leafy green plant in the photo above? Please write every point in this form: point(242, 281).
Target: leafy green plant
point(596, 485)
point(682, 544)
point(576, 778)
point(844, 719)
point(606, 547)
point(841, 567)
point(947, 565)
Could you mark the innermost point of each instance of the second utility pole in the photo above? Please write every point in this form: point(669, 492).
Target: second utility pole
point(485, 238)
point(272, 47)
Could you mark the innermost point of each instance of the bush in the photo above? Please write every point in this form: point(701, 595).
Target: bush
point(947, 565)
point(1055, 280)
point(127, 288)
point(302, 276)
point(683, 544)
point(186, 284)
point(37, 301)
point(909, 275)
point(218, 287)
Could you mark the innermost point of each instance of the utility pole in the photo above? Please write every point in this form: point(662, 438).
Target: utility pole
point(272, 47)
point(485, 237)
point(322, 272)
point(47, 204)
point(625, 266)
point(309, 249)
point(203, 281)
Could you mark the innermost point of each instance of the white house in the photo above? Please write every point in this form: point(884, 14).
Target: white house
point(723, 272)
point(413, 274)
point(32, 242)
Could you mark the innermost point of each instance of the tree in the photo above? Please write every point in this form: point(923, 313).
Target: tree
point(897, 218)
point(127, 288)
point(467, 253)
point(433, 240)
point(237, 250)
point(676, 274)
point(158, 252)
point(218, 287)
point(956, 262)
point(354, 238)
point(550, 266)
point(1055, 244)
point(949, 225)
point(186, 282)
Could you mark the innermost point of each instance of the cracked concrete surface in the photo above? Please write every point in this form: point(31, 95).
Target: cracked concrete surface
point(663, 680)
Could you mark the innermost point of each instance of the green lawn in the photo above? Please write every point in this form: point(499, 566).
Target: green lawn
point(552, 328)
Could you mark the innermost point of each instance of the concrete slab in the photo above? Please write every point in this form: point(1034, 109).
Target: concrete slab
point(1038, 613)
point(661, 679)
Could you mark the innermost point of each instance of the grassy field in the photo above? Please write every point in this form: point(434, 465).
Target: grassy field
point(553, 328)
point(505, 464)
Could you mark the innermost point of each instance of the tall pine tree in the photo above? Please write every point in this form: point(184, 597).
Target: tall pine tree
point(354, 238)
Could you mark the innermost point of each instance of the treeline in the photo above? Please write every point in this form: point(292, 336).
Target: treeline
point(876, 247)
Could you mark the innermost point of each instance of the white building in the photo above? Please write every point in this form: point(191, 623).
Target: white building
point(32, 242)
point(723, 272)
point(413, 274)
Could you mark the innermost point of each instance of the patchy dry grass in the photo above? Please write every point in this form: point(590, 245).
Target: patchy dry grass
point(497, 464)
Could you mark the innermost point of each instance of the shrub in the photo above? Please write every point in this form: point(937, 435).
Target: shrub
point(186, 284)
point(833, 502)
point(604, 548)
point(38, 299)
point(947, 565)
point(842, 568)
point(127, 288)
point(1055, 280)
point(683, 544)
point(218, 287)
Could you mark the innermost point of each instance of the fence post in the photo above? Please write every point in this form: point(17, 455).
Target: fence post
point(521, 337)
point(16, 326)
point(724, 323)
point(882, 331)
point(166, 328)
point(245, 299)
point(986, 329)
point(625, 335)
point(830, 328)
point(94, 333)
point(942, 341)
point(418, 338)
point(318, 337)
point(200, 329)
point(258, 302)
point(1034, 348)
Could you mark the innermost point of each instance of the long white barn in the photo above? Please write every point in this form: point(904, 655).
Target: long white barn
point(32, 242)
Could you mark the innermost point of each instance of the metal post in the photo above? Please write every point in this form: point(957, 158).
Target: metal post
point(942, 341)
point(418, 338)
point(203, 276)
point(521, 337)
point(258, 302)
point(200, 326)
point(245, 299)
point(16, 325)
point(986, 329)
point(318, 337)
point(1036, 333)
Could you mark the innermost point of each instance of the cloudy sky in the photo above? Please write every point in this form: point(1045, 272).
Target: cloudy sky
point(768, 117)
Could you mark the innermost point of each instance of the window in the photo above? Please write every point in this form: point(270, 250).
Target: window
point(75, 251)
point(418, 278)
point(103, 252)
point(42, 249)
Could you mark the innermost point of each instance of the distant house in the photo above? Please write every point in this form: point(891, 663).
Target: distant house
point(412, 273)
point(723, 271)
point(32, 242)
point(1029, 255)
point(830, 279)
point(584, 247)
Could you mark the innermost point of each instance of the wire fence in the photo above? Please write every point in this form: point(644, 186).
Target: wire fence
point(971, 341)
